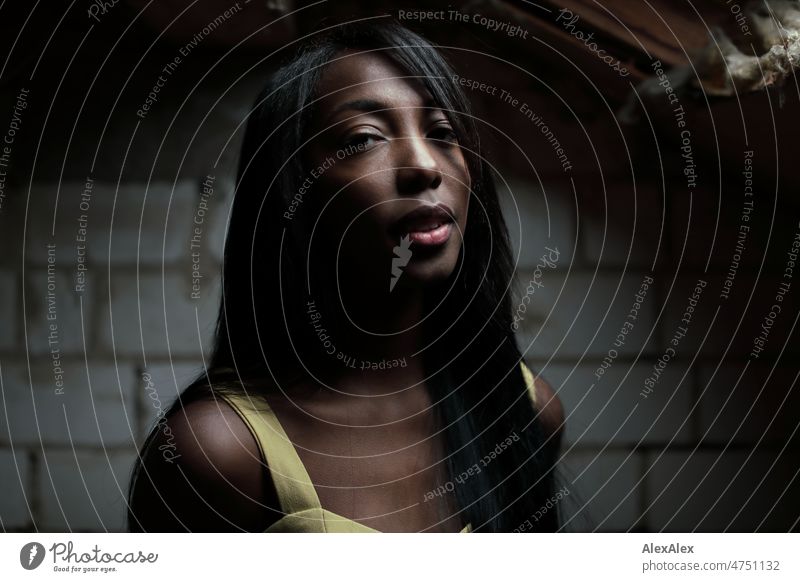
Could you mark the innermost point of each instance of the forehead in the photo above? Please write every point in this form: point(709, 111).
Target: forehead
point(370, 75)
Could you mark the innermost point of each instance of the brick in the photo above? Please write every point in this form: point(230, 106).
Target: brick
point(54, 220)
point(760, 406)
point(167, 326)
point(106, 416)
point(70, 333)
point(537, 219)
point(562, 322)
point(605, 494)
point(15, 483)
point(624, 226)
point(12, 214)
point(8, 309)
point(711, 229)
point(682, 496)
point(151, 230)
point(597, 415)
point(113, 213)
point(88, 490)
point(738, 311)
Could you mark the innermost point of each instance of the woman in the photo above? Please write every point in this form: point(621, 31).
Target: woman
point(365, 374)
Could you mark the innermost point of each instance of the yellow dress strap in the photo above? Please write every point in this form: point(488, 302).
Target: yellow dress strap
point(529, 381)
point(295, 490)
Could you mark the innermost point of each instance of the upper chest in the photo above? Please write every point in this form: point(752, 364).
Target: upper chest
point(374, 462)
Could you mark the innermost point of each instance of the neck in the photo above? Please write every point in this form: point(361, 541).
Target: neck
point(377, 339)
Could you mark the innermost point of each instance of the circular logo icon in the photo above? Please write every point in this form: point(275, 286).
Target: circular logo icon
point(31, 555)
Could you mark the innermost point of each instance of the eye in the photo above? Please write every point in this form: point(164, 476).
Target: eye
point(360, 142)
point(443, 132)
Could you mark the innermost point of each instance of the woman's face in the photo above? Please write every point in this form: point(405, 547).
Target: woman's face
point(392, 181)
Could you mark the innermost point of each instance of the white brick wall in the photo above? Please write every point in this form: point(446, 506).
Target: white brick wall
point(8, 309)
point(620, 227)
point(537, 219)
point(70, 435)
point(145, 222)
point(579, 313)
point(16, 484)
point(100, 413)
point(611, 411)
point(718, 491)
point(757, 405)
point(168, 324)
point(70, 331)
point(605, 492)
point(84, 491)
point(739, 320)
point(51, 223)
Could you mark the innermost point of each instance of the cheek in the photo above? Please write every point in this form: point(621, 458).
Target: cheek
point(462, 187)
point(458, 168)
point(358, 201)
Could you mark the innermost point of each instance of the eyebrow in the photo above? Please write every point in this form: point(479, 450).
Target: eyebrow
point(371, 105)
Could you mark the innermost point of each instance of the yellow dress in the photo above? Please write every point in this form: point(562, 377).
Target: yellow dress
point(296, 494)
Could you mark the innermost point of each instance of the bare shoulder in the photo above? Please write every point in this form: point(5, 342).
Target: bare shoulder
point(202, 472)
point(551, 409)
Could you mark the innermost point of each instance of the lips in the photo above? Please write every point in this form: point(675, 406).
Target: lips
point(427, 225)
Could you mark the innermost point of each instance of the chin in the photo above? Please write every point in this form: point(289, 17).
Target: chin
point(432, 270)
point(429, 275)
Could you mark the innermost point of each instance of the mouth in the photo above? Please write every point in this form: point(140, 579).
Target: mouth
point(426, 225)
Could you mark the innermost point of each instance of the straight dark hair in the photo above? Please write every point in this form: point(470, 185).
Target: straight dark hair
point(264, 340)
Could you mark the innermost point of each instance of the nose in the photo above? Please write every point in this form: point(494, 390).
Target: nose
point(417, 166)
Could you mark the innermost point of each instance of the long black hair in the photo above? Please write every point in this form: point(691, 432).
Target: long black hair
point(481, 402)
